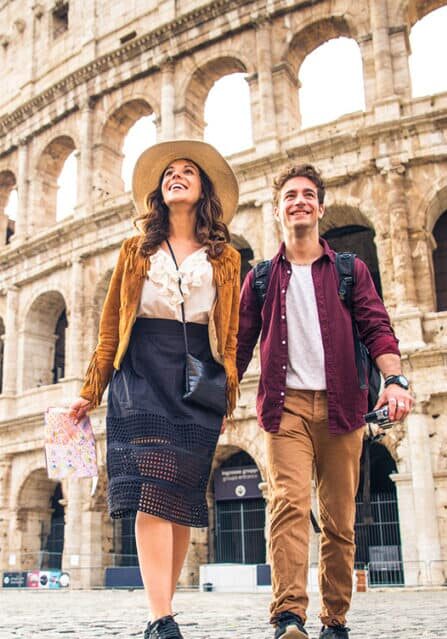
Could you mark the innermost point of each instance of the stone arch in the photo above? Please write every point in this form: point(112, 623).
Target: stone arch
point(49, 165)
point(437, 206)
point(427, 54)
point(415, 10)
point(312, 34)
point(195, 92)
point(34, 510)
point(109, 151)
point(2, 350)
point(39, 355)
point(8, 183)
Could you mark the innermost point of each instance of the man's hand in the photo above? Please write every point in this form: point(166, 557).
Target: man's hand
point(400, 402)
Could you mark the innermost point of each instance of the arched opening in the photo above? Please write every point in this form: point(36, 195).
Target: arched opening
point(124, 544)
point(377, 529)
point(333, 69)
point(40, 519)
point(116, 156)
point(199, 87)
point(245, 251)
point(140, 136)
point(8, 206)
point(66, 187)
point(440, 262)
point(228, 114)
point(2, 350)
point(44, 341)
point(354, 238)
point(54, 198)
point(239, 509)
point(429, 47)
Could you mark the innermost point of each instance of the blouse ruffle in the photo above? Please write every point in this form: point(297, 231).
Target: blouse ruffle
point(164, 275)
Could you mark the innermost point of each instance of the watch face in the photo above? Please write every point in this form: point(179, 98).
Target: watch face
point(401, 380)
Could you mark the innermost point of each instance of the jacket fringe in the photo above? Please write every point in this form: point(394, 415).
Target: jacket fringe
point(232, 392)
point(93, 385)
point(135, 262)
point(224, 267)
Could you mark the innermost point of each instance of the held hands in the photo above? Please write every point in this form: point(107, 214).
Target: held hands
point(79, 409)
point(400, 402)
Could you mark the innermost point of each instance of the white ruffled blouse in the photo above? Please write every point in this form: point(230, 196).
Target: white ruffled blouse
point(161, 297)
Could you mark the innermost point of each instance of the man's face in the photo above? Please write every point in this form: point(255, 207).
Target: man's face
point(298, 209)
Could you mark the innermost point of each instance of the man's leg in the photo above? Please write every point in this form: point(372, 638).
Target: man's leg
point(289, 472)
point(337, 461)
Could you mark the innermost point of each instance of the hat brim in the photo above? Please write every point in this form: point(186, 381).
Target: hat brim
point(152, 162)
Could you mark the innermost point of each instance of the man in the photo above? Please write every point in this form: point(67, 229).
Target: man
point(310, 403)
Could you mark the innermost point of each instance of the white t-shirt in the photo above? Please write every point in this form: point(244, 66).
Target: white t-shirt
point(305, 365)
point(161, 297)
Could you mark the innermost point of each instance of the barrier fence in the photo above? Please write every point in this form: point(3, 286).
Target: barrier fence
point(56, 570)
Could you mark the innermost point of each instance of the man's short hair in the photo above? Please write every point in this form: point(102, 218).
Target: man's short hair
point(298, 170)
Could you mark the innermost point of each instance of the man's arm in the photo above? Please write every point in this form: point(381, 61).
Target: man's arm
point(250, 323)
point(377, 334)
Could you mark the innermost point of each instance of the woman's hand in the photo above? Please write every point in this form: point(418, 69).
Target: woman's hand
point(79, 409)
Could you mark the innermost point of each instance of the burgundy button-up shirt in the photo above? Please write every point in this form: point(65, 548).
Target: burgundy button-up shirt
point(347, 403)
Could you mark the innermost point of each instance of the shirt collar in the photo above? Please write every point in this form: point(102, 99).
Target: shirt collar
point(327, 251)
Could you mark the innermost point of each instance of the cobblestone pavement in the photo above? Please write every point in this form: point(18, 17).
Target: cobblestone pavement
point(113, 614)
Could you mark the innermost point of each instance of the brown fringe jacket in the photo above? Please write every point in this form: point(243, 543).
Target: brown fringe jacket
point(120, 309)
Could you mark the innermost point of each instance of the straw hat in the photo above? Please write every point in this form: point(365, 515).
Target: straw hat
point(152, 162)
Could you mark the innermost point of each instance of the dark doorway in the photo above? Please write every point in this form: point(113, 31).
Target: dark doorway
point(239, 512)
point(59, 351)
point(53, 543)
point(124, 541)
point(359, 240)
point(440, 262)
point(378, 539)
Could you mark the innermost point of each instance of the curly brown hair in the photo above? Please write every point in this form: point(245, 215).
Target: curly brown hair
point(210, 229)
point(298, 170)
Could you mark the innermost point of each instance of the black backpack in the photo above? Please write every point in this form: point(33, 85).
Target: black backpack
point(368, 373)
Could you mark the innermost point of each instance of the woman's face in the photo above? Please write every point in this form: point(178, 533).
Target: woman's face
point(181, 183)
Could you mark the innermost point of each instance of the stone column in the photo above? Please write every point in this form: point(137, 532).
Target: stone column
point(271, 238)
point(11, 339)
point(74, 365)
point(408, 533)
point(85, 160)
point(407, 315)
point(387, 106)
point(21, 230)
point(167, 131)
point(267, 113)
point(72, 502)
point(285, 87)
point(425, 515)
point(5, 474)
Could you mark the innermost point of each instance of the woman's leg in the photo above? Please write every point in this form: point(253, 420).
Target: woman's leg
point(155, 546)
point(181, 536)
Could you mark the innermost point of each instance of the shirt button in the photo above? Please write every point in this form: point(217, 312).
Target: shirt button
point(283, 290)
point(282, 394)
point(283, 341)
point(288, 272)
point(283, 317)
point(284, 368)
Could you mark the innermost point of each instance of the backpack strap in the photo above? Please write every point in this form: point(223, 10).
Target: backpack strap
point(261, 278)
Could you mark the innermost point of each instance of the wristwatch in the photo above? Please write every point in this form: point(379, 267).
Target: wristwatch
point(400, 380)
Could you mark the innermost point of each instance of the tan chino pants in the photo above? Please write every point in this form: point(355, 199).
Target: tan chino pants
point(303, 442)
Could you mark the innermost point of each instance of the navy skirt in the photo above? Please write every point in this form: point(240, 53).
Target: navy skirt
point(159, 447)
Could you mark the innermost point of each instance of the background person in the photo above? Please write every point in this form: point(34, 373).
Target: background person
point(159, 447)
point(310, 403)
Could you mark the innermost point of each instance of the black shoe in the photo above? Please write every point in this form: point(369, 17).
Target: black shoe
point(289, 626)
point(163, 628)
point(334, 632)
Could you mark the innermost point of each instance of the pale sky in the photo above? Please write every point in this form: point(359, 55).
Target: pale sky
point(331, 85)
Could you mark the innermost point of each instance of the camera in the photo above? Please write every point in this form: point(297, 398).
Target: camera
point(380, 417)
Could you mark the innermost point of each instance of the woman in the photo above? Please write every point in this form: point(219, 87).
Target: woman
point(160, 447)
